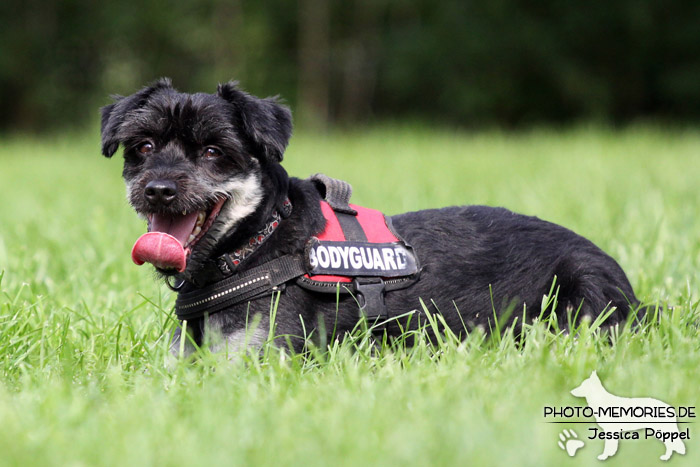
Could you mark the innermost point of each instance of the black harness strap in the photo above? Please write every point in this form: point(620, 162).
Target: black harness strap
point(370, 294)
point(351, 227)
point(253, 283)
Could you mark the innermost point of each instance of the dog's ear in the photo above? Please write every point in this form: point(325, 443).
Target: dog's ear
point(113, 114)
point(265, 123)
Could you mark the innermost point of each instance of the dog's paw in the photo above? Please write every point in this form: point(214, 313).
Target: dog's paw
point(569, 442)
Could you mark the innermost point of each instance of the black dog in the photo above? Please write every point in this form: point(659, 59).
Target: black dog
point(229, 228)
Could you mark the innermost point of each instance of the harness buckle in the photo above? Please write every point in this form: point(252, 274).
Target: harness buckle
point(370, 295)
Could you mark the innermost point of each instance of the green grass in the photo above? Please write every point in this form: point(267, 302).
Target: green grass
point(84, 332)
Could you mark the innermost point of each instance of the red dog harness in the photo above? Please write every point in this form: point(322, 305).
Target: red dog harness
point(358, 252)
point(368, 249)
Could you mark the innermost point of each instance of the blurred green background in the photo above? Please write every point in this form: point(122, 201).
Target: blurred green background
point(466, 63)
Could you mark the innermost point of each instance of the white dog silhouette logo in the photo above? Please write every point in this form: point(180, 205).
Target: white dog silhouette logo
point(618, 416)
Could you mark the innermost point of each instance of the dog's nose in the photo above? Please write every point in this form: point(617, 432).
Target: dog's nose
point(161, 192)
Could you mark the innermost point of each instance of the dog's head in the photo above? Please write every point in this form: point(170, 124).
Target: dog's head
point(195, 165)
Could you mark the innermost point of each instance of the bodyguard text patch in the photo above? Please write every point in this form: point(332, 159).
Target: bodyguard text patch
point(361, 259)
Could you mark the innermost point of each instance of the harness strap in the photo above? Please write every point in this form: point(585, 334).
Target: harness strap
point(351, 227)
point(370, 294)
point(337, 193)
point(253, 283)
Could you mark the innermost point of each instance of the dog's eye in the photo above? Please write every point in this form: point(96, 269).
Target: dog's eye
point(145, 148)
point(212, 152)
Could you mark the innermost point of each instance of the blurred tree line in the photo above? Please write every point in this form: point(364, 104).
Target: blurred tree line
point(465, 62)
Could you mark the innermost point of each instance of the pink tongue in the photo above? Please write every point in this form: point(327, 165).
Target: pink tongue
point(161, 250)
point(163, 246)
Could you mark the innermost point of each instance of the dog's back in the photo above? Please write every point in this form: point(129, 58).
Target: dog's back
point(485, 258)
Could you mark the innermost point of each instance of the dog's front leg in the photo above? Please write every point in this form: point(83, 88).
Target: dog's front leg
point(609, 450)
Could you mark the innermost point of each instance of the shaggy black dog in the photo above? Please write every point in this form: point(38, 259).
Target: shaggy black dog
point(204, 170)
